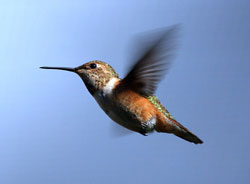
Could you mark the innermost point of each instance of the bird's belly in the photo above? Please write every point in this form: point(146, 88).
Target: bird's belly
point(119, 114)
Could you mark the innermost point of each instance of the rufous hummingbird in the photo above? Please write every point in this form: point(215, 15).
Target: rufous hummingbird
point(130, 101)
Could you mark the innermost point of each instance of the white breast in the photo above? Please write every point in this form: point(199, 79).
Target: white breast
point(104, 99)
point(110, 86)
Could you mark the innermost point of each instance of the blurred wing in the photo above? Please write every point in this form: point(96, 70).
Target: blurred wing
point(117, 131)
point(152, 65)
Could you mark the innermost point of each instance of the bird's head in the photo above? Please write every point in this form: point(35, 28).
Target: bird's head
point(95, 74)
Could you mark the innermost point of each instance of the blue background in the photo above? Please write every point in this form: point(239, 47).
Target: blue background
point(52, 130)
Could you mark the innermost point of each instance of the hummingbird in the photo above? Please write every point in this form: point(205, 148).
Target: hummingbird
point(130, 101)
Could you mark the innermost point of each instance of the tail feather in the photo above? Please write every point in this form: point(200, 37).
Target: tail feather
point(172, 126)
point(188, 136)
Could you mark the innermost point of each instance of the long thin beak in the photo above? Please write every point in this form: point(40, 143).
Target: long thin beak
point(59, 68)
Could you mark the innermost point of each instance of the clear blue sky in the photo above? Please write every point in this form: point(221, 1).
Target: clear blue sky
point(51, 129)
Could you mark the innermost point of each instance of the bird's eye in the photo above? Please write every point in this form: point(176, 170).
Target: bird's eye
point(92, 65)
